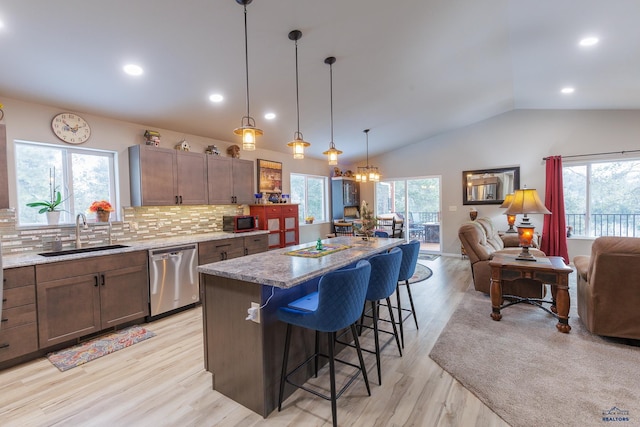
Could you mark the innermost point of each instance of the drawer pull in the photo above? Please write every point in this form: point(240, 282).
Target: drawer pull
point(4, 320)
point(5, 345)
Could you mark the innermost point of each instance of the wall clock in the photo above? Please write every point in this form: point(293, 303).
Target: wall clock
point(71, 128)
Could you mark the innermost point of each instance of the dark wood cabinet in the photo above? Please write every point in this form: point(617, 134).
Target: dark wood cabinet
point(19, 331)
point(164, 177)
point(281, 221)
point(4, 177)
point(345, 193)
point(81, 297)
point(234, 247)
point(229, 180)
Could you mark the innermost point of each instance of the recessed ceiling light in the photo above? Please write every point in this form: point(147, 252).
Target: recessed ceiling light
point(216, 97)
point(270, 116)
point(589, 41)
point(133, 70)
point(567, 90)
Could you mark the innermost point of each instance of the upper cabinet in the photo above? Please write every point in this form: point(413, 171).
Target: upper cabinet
point(230, 180)
point(4, 179)
point(345, 197)
point(161, 176)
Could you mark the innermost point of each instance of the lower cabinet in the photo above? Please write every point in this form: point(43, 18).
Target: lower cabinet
point(80, 297)
point(19, 331)
point(234, 247)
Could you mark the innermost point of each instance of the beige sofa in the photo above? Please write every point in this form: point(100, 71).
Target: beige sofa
point(609, 287)
point(481, 242)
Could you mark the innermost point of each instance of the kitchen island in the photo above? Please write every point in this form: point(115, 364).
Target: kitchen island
point(245, 357)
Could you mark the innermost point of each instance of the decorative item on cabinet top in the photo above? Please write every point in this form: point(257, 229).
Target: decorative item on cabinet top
point(152, 137)
point(183, 145)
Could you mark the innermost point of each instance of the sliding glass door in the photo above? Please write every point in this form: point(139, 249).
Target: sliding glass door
point(417, 201)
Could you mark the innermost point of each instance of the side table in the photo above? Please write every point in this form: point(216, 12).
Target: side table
point(546, 270)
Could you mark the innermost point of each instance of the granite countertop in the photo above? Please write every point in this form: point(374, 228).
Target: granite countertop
point(32, 258)
point(275, 268)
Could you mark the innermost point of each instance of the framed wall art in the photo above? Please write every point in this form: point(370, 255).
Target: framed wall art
point(269, 176)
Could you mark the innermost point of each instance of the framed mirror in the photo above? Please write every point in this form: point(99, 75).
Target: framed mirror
point(489, 186)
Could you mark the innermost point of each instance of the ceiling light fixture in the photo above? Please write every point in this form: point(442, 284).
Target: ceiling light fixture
point(247, 127)
point(133, 70)
point(270, 116)
point(567, 90)
point(298, 144)
point(589, 41)
point(367, 173)
point(216, 97)
point(332, 153)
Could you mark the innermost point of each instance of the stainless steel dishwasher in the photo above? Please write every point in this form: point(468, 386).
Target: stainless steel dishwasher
point(173, 278)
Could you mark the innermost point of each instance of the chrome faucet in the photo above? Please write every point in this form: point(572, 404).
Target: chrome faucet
point(84, 225)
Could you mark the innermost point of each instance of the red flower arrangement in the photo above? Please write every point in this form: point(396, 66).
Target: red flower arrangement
point(101, 206)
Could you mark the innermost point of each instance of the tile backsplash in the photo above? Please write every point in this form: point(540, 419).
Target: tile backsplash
point(137, 224)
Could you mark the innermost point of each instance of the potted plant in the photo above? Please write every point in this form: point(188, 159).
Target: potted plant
point(308, 220)
point(50, 207)
point(369, 222)
point(102, 209)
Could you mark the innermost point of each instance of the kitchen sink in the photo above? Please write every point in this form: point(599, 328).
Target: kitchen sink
point(82, 250)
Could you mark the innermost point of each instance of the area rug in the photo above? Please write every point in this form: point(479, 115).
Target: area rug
point(428, 257)
point(422, 273)
point(531, 374)
point(98, 347)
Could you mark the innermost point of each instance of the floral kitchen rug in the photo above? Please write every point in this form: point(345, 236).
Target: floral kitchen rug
point(98, 347)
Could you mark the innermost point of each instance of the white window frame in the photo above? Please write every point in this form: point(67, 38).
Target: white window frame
point(325, 196)
point(67, 151)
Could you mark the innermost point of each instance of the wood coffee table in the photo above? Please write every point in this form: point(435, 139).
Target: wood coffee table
point(546, 270)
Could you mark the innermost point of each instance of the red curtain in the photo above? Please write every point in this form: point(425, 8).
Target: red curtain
point(554, 231)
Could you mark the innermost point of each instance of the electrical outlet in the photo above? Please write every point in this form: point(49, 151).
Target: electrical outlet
point(253, 313)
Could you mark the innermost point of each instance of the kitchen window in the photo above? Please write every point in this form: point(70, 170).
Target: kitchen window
point(310, 192)
point(81, 175)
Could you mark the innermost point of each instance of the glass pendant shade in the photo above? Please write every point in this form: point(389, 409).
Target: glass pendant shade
point(298, 144)
point(367, 173)
point(247, 127)
point(332, 153)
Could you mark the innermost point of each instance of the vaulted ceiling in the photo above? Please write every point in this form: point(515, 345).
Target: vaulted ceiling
point(406, 69)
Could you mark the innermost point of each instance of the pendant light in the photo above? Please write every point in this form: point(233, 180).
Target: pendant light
point(367, 173)
point(332, 153)
point(298, 144)
point(247, 128)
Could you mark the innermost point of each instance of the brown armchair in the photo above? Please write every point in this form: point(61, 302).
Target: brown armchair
point(609, 287)
point(482, 242)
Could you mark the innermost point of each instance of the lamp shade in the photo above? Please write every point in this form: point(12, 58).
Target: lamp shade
point(526, 201)
point(507, 201)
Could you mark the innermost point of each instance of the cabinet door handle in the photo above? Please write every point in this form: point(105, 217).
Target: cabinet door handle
point(96, 281)
point(5, 345)
point(102, 278)
point(4, 320)
point(180, 199)
point(176, 200)
point(246, 251)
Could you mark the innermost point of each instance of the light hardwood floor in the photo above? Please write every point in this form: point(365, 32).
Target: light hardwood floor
point(162, 381)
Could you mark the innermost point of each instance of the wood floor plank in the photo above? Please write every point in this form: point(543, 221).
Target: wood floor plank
point(162, 381)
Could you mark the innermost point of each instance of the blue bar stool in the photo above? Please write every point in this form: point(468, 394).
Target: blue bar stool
point(337, 305)
point(382, 283)
point(380, 233)
point(410, 253)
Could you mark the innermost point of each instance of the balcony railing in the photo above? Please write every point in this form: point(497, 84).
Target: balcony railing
point(625, 225)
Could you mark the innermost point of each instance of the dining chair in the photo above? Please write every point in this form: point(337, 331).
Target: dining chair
point(343, 229)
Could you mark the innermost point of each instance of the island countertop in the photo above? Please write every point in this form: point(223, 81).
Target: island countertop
point(276, 268)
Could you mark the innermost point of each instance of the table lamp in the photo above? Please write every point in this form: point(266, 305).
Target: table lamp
point(511, 219)
point(526, 201)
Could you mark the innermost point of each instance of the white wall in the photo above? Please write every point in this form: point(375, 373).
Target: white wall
point(517, 138)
